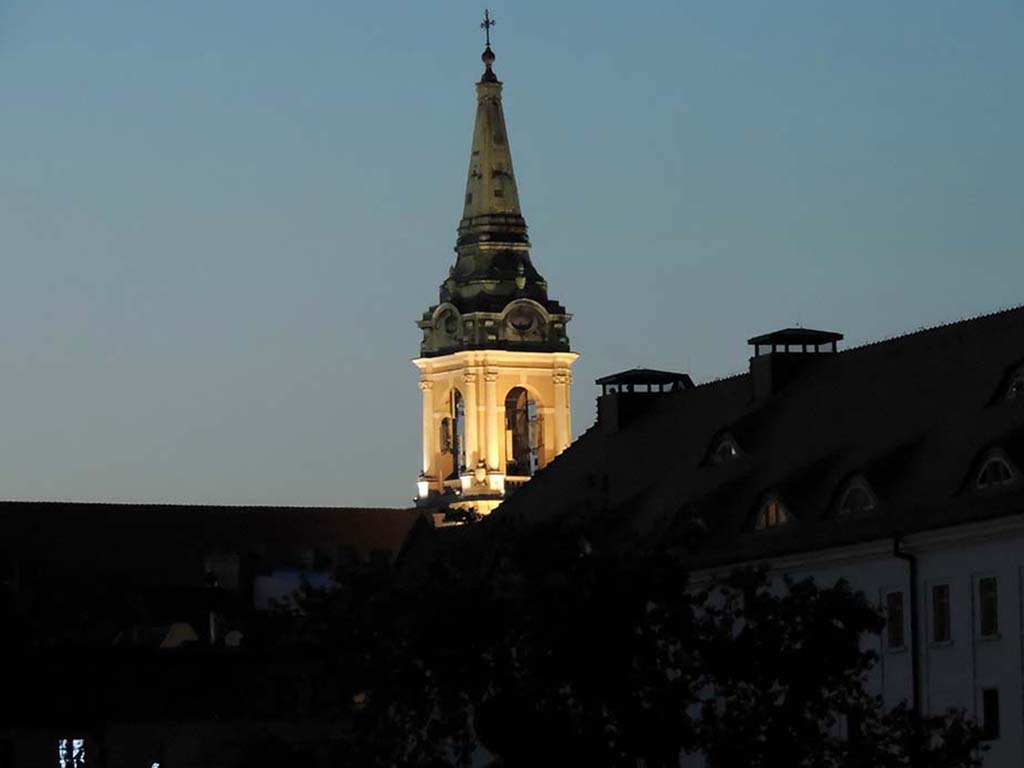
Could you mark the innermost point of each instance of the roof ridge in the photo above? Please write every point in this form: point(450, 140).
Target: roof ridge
point(932, 328)
point(891, 338)
point(720, 379)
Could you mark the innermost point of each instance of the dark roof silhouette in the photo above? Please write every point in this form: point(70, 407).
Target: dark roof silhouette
point(912, 416)
point(166, 541)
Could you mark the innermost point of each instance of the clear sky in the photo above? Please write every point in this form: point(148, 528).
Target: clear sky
point(220, 220)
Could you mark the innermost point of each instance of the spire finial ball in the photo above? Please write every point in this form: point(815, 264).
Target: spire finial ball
point(488, 56)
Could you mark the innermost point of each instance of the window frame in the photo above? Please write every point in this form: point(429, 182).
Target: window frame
point(725, 452)
point(979, 623)
point(891, 626)
point(761, 518)
point(1013, 390)
point(856, 483)
point(989, 717)
point(722, 442)
point(933, 614)
point(72, 752)
point(990, 458)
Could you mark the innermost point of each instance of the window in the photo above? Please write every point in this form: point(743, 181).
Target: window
point(994, 472)
point(71, 753)
point(857, 499)
point(940, 613)
point(1015, 390)
point(854, 727)
point(725, 451)
point(894, 620)
point(990, 714)
point(772, 515)
point(988, 606)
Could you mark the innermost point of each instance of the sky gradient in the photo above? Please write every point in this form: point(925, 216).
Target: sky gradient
point(220, 221)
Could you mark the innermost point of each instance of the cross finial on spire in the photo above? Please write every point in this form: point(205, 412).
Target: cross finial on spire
point(486, 25)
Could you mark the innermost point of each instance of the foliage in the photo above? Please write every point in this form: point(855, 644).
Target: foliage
point(784, 683)
point(553, 650)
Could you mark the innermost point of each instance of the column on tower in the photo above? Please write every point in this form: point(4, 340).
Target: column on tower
point(550, 421)
point(429, 471)
point(472, 420)
point(562, 416)
point(493, 432)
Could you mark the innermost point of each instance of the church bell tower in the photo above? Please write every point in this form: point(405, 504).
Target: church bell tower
point(494, 364)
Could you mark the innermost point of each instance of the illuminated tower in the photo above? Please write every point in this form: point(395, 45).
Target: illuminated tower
point(495, 365)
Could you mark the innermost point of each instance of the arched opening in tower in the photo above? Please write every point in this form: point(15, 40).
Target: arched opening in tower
point(458, 433)
point(453, 438)
point(524, 432)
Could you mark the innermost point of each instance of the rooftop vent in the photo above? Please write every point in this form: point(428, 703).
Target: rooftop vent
point(778, 356)
point(626, 395)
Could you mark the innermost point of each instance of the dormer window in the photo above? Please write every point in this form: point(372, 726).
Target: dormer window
point(1011, 387)
point(857, 499)
point(996, 471)
point(725, 451)
point(771, 515)
point(1015, 390)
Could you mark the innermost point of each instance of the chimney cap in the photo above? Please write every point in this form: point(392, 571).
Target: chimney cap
point(796, 337)
point(647, 376)
point(644, 380)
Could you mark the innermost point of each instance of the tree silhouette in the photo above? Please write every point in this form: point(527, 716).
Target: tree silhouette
point(556, 650)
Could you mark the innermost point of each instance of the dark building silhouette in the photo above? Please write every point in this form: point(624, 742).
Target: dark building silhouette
point(896, 465)
point(136, 634)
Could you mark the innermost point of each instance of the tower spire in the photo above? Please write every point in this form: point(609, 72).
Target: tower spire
point(493, 267)
point(491, 184)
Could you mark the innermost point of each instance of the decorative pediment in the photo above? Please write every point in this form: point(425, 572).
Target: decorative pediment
point(524, 321)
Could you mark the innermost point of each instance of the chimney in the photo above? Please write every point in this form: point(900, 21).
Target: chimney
point(780, 356)
point(627, 395)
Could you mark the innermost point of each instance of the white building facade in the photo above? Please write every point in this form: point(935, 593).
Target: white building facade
point(954, 603)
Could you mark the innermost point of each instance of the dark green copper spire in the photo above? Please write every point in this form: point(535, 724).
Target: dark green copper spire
point(492, 270)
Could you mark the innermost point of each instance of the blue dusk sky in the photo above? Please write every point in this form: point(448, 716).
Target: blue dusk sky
point(220, 220)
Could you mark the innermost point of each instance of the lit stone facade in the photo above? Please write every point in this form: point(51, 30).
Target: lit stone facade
point(495, 363)
point(484, 379)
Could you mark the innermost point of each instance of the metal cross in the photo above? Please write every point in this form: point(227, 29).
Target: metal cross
point(486, 25)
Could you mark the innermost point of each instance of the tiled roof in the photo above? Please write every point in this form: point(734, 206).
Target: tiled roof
point(911, 415)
